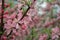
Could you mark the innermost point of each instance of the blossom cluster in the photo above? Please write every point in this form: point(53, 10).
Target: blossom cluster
point(31, 20)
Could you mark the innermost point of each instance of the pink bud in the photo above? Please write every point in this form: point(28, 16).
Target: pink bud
point(24, 27)
point(4, 38)
point(6, 12)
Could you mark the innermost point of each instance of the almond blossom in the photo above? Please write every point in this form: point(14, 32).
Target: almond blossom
point(30, 20)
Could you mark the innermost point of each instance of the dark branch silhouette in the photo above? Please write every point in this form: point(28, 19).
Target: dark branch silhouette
point(2, 24)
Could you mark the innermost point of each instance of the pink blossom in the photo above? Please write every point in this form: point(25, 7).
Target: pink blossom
point(6, 12)
point(24, 27)
point(27, 19)
point(19, 5)
point(43, 37)
point(19, 14)
point(5, 16)
point(7, 26)
point(55, 36)
point(36, 19)
point(31, 24)
point(7, 31)
point(3, 38)
point(13, 37)
point(55, 30)
point(32, 12)
point(13, 15)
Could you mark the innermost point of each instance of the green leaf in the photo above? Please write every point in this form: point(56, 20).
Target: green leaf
point(50, 0)
point(29, 2)
point(34, 33)
point(29, 38)
point(46, 30)
point(1, 32)
point(24, 8)
point(12, 3)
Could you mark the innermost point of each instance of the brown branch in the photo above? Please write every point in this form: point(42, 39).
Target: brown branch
point(2, 24)
point(25, 13)
point(2, 13)
point(27, 10)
